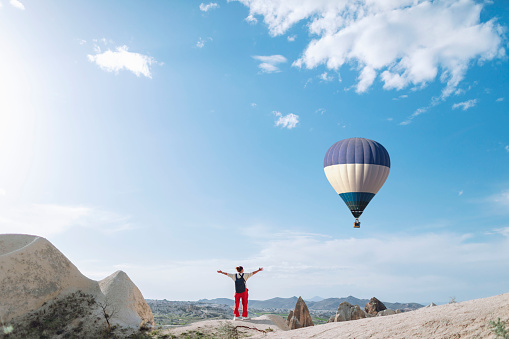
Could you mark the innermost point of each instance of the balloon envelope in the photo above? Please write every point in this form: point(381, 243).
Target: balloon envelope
point(357, 168)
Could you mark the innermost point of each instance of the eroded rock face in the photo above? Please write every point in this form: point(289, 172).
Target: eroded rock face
point(289, 319)
point(34, 274)
point(123, 296)
point(347, 311)
point(300, 316)
point(374, 306)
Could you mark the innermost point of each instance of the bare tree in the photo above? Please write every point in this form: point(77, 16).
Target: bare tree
point(109, 311)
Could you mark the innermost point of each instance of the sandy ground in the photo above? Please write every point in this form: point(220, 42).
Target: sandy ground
point(259, 325)
point(469, 319)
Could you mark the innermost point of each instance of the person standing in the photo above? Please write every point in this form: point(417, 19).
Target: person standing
point(240, 279)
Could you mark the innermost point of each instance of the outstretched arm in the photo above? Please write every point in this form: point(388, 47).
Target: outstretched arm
point(258, 270)
point(222, 272)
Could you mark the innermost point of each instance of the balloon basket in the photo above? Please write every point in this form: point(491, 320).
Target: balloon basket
point(357, 224)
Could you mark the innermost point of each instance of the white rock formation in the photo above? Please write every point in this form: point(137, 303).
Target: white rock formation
point(34, 272)
point(347, 312)
point(123, 296)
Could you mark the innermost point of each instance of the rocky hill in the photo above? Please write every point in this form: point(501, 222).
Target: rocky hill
point(42, 294)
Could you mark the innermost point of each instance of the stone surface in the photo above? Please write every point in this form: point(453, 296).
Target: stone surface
point(123, 296)
point(294, 323)
point(34, 273)
point(387, 312)
point(374, 306)
point(465, 320)
point(300, 316)
point(431, 305)
point(289, 319)
point(347, 312)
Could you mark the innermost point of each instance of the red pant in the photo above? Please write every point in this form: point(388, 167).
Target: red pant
point(242, 296)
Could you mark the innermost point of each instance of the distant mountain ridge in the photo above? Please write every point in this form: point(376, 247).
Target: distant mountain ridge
point(329, 304)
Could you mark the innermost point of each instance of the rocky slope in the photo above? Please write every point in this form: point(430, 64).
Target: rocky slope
point(38, 283)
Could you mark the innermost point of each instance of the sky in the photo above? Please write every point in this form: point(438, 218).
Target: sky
point(172, 139)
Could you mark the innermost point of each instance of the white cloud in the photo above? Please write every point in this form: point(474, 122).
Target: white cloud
point(251, 19)
point(503, 231)
point(326, 77)
point(366, 78)
point(201, 42)
point(17, 4)
point(121, 59)
point(414, 115)
point(50, 219)
point(407, 42)
point(253, 104)
point(269, 62)
point(506, 148)
point(286, 121)
point(403, 96)
point(291, 38)
point(208, 7)
point(321, 111)
point(465, 105)
point(500, 99)
point(460, 193)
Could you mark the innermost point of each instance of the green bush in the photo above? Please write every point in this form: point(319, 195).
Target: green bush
point(499, 328)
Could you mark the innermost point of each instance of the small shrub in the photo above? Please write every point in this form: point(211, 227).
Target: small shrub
point(499, 328)
point(228, 331)
point(453, 300)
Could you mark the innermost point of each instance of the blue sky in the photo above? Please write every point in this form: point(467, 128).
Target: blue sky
point(171, 139)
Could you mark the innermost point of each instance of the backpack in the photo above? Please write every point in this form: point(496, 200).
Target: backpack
point(240, 283)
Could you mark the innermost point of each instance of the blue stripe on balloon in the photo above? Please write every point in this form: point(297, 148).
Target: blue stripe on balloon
point(357, 151)
point(357, 201)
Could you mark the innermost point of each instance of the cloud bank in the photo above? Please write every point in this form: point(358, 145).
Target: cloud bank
point(50, 219)
point(396, 267)
point(403, 43)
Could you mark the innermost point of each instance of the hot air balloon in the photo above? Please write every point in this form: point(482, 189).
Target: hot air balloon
point(357, 168)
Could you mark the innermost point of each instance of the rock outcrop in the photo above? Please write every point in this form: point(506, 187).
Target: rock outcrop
point(300, 316)
point(35, 275)
point(289, 319)
point(123, 295)
point(431, 305)
point(374, 306)
point(387, 312)
point(33, 272)
point(347, 312)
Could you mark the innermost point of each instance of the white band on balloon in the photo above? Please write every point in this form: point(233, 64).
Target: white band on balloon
point(346, 178)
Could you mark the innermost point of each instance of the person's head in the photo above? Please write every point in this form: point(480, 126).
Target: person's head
point(240, 269)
